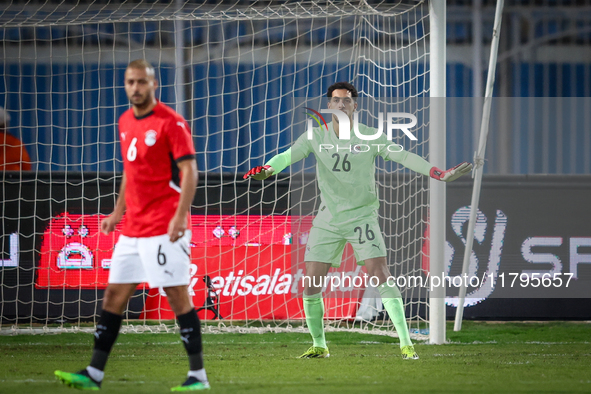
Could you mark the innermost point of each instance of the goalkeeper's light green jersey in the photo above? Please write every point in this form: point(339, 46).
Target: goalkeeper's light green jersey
point(346, 169)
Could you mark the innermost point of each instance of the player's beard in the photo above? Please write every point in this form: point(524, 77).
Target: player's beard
point(141, 102)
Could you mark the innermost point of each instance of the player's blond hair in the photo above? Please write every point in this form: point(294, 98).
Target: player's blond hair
point(142, 64)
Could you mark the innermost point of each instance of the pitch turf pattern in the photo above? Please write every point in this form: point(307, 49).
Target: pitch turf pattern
point(536, 357)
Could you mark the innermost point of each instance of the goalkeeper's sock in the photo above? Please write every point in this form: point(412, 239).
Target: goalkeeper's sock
point(105, 336)
point(314, 310)
point(392, 300)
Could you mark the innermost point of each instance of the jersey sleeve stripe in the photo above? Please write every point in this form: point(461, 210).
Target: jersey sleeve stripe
point(186, 157)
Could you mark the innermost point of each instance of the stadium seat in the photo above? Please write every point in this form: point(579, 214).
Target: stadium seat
point(236, 31)
point(333, 32)
point(195, 33)
point(16, 34)
point(458, 32)
point(584, 36)
point(43, 33)
point(275, 31)
point(318, 35)
point(144, 32)
point(546, 27)
point(46, 34)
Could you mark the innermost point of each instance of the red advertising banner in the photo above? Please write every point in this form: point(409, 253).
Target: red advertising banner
point(243, 267)
point(75, 254)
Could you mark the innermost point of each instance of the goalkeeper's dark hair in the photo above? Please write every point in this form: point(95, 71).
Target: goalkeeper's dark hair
point(342, 85)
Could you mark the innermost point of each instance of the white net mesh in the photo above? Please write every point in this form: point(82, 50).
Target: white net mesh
point(235, 70)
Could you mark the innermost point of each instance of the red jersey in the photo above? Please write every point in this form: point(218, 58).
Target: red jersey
point(151, 146)
point(13, 155)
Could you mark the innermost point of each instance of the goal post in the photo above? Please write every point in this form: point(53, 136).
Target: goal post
point(239, 73)
point(437, 197)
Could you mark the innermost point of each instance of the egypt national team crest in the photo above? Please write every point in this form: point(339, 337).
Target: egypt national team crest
point(357, 149)
point(150, 137)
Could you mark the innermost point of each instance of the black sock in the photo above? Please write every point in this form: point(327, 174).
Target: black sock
point(191, 336)
point(105, 335)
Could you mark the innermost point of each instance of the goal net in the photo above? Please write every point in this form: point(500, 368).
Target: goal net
point(241, 74)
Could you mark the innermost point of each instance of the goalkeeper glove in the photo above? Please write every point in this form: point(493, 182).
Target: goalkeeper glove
point(259, 173)
point(451, 174)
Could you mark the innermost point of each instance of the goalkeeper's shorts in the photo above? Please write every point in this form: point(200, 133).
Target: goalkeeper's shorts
point(326, 242)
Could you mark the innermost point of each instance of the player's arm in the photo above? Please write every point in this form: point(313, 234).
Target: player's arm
point(189, 177)
point(422, 166)
point(274, 166)
point(452, 174)
point(108, 224)
point(300, 150)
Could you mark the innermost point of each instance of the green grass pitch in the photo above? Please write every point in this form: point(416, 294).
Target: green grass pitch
point(483, 357)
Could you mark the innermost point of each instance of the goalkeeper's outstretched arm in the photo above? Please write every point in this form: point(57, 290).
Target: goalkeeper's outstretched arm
point(274, 166)
point(452, 174)
point(259, 172)
point(422, 166)
point(300, 150)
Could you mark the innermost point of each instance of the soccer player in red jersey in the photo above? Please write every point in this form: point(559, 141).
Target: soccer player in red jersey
point(157, 188)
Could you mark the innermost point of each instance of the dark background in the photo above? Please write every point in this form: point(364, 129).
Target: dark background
point(534, 205)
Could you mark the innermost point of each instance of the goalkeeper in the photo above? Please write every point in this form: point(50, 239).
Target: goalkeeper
point(348, 211)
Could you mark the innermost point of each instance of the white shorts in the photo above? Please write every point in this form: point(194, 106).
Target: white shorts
point(155, 260)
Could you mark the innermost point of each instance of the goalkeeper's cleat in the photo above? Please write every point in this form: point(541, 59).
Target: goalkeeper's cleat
point(192, 384)
point(409, 353)
point(79, 380)
point(316, 352)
